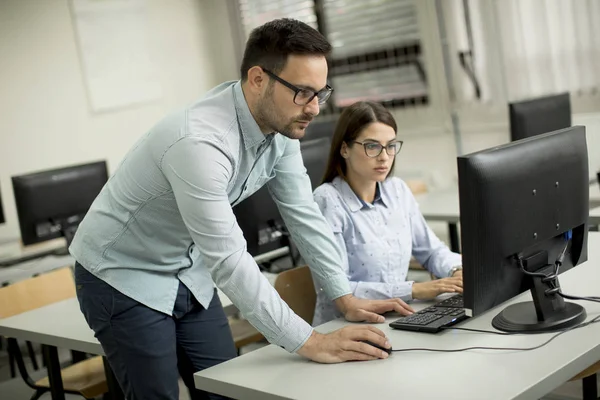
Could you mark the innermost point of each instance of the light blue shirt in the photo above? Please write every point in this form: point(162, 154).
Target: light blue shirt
point(165, 215)
point(377, 241)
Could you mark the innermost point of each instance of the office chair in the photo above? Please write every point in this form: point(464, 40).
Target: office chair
point(319, 129)
point(296, 288)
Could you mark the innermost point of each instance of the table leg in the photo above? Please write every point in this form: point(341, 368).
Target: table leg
point(114, 390)
point(54, 376)
point(454, 240)
point(590, 387)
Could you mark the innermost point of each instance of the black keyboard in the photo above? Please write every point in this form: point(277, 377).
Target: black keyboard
point(454, 301)
point(435, 317)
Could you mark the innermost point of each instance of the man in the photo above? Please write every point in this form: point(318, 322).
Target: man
point(162, 229)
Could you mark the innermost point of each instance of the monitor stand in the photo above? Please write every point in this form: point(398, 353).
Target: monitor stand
point(547, 312)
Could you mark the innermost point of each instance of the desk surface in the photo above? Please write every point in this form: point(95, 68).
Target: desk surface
point(595, 216)
point(594, 195)
point(59, 324)
point(272, 373)
point(440, 205)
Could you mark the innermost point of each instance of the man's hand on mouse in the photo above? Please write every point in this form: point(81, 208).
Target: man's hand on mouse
point(345, 344)
point(359, 310)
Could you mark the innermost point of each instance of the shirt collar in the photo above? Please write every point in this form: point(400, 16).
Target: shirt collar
point(250, 130)
point(352, 200)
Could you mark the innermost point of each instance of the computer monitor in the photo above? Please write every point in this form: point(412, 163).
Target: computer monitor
point(50, 204)
point(522, 205)
point(320, 129)
point(544, 114)
point(258, 216)
point(314, 155)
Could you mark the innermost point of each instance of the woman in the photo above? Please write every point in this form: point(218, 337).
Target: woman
point(375, 217)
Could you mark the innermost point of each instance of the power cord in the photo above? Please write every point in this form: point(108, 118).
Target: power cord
point(581, 325)
point(555, 289)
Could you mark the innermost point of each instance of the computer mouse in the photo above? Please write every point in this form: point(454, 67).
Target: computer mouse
point(389, 351)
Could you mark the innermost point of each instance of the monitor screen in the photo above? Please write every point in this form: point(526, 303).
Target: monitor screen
point(523, 206)
point(50, 204)
point(541, 115)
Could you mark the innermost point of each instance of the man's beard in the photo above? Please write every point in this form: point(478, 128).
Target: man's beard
point(267, 117)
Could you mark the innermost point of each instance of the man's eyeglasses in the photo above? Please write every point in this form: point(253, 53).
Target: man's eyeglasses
point(374, 149)
point(303, 96)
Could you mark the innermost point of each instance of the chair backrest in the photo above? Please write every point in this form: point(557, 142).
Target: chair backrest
point(36, 292)
point(296, 288)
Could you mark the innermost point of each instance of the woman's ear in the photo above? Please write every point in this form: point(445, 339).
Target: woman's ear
point(344, 151)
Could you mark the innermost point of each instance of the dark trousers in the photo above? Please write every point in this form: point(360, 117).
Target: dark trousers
point(149, 350)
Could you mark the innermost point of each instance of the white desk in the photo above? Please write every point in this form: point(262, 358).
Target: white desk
point(444, 205)
point(594, 195)
point(595, 216)
point(272, 373)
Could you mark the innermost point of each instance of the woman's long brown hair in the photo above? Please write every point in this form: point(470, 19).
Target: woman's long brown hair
point(352, 121)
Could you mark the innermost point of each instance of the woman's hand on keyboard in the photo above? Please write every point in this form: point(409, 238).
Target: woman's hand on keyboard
point(358, 310)
point(431, 289)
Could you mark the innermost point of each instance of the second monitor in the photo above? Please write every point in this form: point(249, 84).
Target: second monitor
point(536, 116)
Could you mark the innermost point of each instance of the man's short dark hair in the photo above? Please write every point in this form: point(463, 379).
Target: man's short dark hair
point(270, 44)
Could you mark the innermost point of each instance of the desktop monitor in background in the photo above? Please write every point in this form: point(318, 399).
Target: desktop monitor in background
point(544, 114)
point(314, 154)
point(50, 204)
point(319, 129)
point(522, 205)
point(258, 216)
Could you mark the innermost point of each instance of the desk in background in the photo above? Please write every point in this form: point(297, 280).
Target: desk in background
point(272, 373)
point(595, 216)
point(594, 195)
point(444, 206)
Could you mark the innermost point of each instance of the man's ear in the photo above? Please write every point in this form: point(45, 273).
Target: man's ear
point(257, 79)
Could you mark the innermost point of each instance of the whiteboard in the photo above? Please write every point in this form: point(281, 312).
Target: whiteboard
point(112, 37)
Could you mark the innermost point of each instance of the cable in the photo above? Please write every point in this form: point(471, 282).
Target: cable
point(448, 328)
point(570, 297)
point(583, 324)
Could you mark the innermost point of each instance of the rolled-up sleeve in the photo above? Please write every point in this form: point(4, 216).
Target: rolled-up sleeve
point(199, 172)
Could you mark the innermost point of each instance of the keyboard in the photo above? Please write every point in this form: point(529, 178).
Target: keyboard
point(435, 317)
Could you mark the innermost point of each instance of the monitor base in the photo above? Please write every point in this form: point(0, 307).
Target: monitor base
point(522, 318)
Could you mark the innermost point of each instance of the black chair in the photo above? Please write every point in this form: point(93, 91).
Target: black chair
point(319, 129)
point(315, 153)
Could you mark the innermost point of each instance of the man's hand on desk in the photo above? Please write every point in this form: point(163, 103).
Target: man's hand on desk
point(345, 345)
point(431, 289)
point(358, 310)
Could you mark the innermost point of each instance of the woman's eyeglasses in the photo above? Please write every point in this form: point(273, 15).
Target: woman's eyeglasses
point(374, 149)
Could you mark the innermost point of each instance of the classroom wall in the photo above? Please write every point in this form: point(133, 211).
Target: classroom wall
point(45, 119)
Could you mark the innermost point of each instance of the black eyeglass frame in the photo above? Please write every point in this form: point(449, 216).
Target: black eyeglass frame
point(325, 92)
